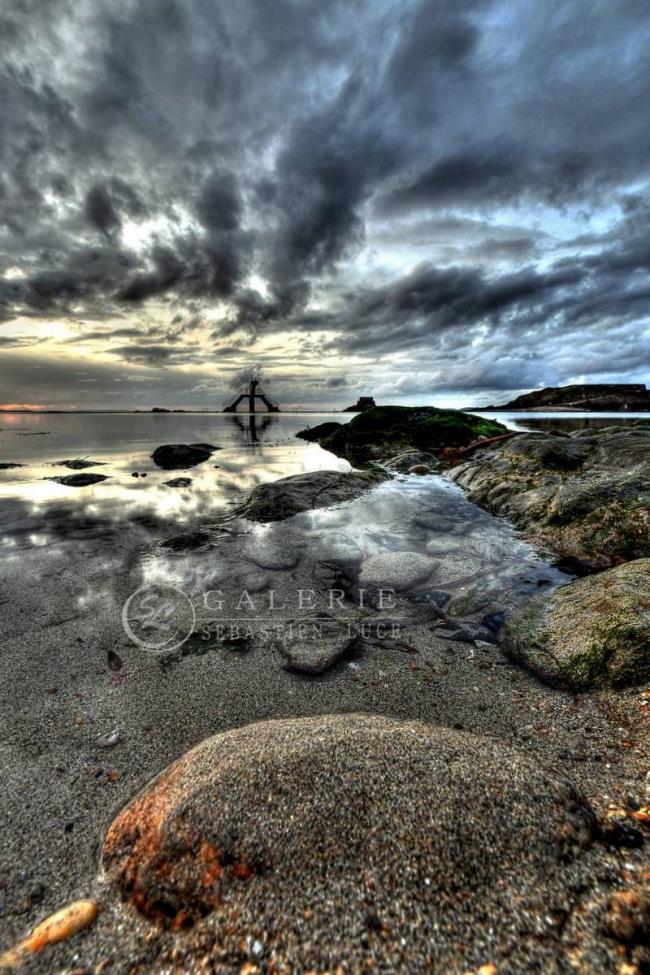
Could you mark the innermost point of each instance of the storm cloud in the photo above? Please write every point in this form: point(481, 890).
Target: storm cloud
point(460, 187)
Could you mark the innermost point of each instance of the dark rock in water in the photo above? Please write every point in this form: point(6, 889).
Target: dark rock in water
point(303, 492)
point(4, 466)
point(592, 632)
point(180, 482)
point(364, 821)
point(186, 541)
point(320, 431)
point(405, 462)
point(385, 429)
point(586, 498)
point(80, 480)
point(205, 446)
point(80, 463)
point(179, 456)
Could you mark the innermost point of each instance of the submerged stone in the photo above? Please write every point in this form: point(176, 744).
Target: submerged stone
point(395, 570)
point(292, 831)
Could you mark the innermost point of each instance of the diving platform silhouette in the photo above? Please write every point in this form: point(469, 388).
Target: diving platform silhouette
point(252, 392)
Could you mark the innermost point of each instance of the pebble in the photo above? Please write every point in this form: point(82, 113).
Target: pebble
point(57, 927)
point(109, 740)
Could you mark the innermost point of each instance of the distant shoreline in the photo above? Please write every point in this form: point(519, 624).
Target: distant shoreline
point(156, 413)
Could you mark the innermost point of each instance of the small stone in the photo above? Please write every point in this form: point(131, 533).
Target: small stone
point(57, 927)
point(628, 915)
point(109, 740)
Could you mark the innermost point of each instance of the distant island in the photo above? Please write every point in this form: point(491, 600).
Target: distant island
point(605, 397)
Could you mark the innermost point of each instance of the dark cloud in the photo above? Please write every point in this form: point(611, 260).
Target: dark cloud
point(218, 206)
point(404, 175)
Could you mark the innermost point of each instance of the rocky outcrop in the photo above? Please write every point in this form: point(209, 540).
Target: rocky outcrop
point(590, 396)
point(592, 632)
point(585, 498)
point(309, 840)
point(319, 432)
point(363, 403)
point(303, 492)
point(180, 456)
point(384, 430)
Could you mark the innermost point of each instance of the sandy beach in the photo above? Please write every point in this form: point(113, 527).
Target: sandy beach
point(71, 676)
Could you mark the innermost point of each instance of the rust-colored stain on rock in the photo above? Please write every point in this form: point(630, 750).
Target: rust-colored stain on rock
point(165, 867)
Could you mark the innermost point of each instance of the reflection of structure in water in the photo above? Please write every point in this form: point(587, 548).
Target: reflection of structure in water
point(252, 392)
point(250, 427)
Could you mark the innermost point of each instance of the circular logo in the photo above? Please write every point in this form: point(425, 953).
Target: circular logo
point(158, 617)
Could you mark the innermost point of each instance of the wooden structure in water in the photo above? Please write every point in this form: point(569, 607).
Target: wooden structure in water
point(252, 392)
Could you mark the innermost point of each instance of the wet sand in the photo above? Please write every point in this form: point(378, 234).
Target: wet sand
point(61, 616)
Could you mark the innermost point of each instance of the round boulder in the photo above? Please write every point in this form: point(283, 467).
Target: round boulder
point(342, 838)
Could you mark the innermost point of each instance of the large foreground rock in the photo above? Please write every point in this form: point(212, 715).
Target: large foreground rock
point(352, 840)
point(593, 632)
point(385, 430)
point(585, 497)
point(303, 492)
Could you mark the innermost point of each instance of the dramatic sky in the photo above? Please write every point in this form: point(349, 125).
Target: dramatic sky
point(443, 201)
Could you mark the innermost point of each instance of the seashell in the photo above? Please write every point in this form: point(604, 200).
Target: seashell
point(57, 927)
point(109, 740)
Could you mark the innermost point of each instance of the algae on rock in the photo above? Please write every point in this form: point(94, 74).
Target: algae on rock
point(594, 632)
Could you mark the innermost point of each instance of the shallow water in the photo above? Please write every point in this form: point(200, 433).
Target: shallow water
point(120, 521)
point(253, 449)
point(472, 559)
